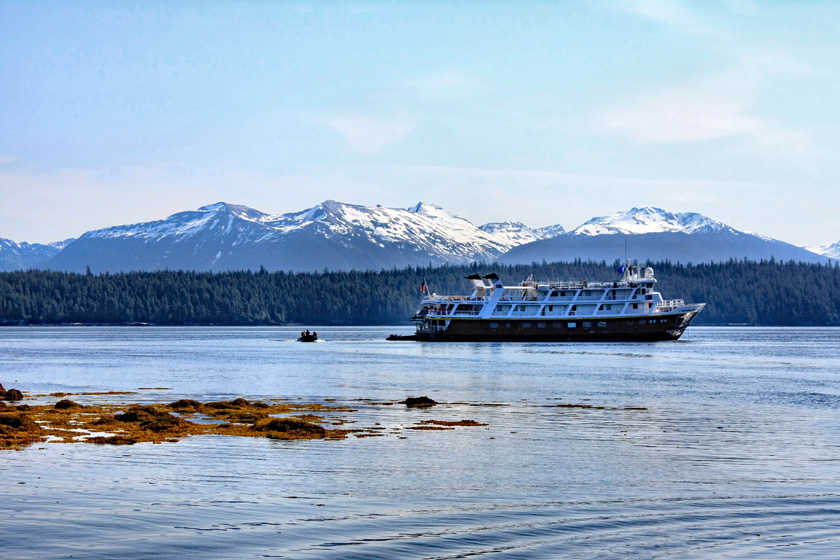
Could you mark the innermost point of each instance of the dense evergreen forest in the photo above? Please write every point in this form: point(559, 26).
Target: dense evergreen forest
point(737, 292)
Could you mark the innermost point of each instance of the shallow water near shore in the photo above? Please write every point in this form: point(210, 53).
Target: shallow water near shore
point(723, 444)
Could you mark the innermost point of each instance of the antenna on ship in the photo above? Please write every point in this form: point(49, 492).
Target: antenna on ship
point(626, 269)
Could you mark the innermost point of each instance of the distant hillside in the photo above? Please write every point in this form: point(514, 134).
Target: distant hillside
point(22, 256)
point(653, 234)
point(674, 247)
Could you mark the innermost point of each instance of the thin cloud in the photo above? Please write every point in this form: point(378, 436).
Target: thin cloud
point(539, 178)
point(689, 197)
point(366, 134)
point(711, 108)
point(682, 116)
point(442, 86)
point(665, 11)
point(674, 13)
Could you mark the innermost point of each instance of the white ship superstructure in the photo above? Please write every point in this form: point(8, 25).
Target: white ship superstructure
point(629, 309)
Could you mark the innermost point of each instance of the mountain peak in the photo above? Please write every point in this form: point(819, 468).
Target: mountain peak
point(214, 207)
point(238, 210)
point(424, 208)
point(517, 233)
point(648, 219)
point(502, 226)
point(21, 256)
point(831, 251)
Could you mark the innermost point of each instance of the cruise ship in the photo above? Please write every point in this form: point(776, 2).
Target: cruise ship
point(547, 311)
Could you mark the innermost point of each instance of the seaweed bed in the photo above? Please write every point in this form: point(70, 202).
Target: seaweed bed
point(67, 421)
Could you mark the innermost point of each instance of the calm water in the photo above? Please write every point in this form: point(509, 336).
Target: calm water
point(725, 444)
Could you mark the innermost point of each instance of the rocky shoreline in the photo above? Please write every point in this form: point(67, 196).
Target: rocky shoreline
point(67, 421)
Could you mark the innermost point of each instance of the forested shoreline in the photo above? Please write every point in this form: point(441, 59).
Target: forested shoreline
point(765, 293)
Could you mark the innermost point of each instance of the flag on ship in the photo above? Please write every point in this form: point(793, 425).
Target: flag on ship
point(621, 269)
point(423, 287)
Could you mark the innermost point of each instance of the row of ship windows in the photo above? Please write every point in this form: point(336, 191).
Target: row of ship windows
point(595, 293)
point(571, 324)
point(505, 309)
point(531, 309)
point(604, 307)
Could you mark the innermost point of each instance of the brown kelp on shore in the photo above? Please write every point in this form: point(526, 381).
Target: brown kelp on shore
point(67, 421)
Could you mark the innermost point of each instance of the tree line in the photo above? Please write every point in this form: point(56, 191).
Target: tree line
point(763, 293)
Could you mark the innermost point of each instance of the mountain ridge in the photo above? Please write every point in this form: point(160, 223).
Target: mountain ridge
point(657, 235)
point(332, 235)
point(23, 255)
point(340, 236)
point(831, 251)
point(649, 220)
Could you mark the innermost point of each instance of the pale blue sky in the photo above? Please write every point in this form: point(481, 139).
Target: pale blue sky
point(541, 112)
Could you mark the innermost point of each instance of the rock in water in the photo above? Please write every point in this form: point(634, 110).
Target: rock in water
point(149, 418)
point(290, 428)
point(12, 395)
point(419, 401)
point(18, 429)
point(66, 404)
point(18, 421)
point(186, 405)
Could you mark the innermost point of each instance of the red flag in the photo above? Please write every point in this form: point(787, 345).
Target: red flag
point(423, 287)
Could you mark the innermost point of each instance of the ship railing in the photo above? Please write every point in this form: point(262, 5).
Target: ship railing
point(669, 305)
point(457, 298)
point(458, 313)
point(568, 284)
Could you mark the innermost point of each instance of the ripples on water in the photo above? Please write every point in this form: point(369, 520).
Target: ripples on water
point(724, 444)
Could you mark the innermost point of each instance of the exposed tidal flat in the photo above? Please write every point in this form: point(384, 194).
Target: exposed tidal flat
point(725, 443)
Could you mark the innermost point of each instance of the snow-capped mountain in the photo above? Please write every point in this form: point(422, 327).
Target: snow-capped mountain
point(331, 235)
point(649, 220)
point(831, 251)
point(22, 256)
point(518, 233)
point(338, 236)
point(655, 234)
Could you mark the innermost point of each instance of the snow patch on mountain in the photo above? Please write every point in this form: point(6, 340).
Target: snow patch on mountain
point(649, 220)
point(422, 224)
point(831, 251)
point(423, 228)
point(517, 233)
point(182, 225)
point(548, 232)
point(22, 256)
